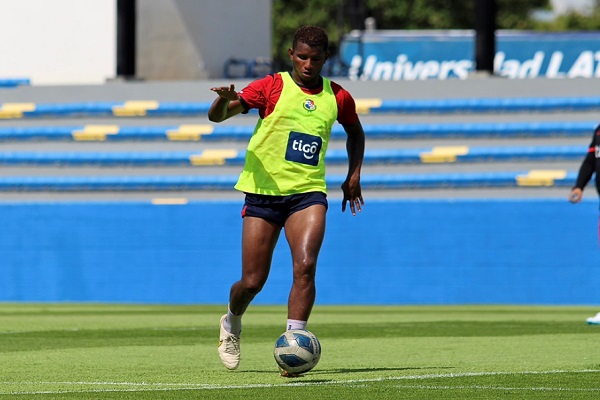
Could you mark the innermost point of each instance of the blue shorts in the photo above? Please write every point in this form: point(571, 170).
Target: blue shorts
point(277, 209)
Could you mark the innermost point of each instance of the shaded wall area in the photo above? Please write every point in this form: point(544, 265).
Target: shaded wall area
point(396, 252)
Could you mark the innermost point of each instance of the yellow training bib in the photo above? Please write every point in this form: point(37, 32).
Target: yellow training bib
point(287, 150)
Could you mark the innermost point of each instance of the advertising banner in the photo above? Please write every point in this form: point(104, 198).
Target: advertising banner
point(419, 55)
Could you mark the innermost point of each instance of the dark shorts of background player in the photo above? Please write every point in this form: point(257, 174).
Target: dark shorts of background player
point(277, 209)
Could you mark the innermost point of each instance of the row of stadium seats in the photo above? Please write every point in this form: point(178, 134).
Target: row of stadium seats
point(364, 106)
point(14, 82)
point(243, 133)
point(224, 182)
point(231, 156)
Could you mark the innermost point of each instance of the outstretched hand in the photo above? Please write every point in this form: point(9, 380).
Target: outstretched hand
point(226, 92)
point(352, 195)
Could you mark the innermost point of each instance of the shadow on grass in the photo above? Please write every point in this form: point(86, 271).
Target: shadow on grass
point(351, 371)
point(377, 369)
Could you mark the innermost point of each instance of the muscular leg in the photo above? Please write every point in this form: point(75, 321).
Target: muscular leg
point(259, 238)
point(258, 242)
point(304, 231)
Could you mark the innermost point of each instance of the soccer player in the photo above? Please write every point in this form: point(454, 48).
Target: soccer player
point(284, 177)
point(589, 166)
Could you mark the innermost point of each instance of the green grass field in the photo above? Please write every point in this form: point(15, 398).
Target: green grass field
point(87, 351)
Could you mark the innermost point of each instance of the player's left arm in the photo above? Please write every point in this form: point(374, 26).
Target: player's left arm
point(355, 146)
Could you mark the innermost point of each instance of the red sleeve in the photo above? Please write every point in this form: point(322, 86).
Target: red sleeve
point(346, 106)
point(262, 94)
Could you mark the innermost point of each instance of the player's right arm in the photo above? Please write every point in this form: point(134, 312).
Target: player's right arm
point(226, 105)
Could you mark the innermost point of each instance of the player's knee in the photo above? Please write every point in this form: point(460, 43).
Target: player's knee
point(253, 287)
point(304, 271)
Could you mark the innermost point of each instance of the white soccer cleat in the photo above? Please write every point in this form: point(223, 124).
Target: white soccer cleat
point(595, 320)
point(229, 347)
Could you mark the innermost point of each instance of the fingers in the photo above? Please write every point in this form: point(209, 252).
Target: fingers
point(574, 198)
point(224, 89)
point(230, 87)
point(575, 195)
point(355, 204)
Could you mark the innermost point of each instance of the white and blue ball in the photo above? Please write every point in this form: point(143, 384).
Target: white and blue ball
point(297, 351)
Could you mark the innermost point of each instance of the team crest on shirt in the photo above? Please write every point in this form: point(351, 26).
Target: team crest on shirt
point(309, 105)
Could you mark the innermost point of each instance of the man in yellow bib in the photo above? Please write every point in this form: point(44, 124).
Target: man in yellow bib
point(284, 177)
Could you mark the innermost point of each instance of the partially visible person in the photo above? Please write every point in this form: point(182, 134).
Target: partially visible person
point(595, 320)
point(589, 167)
point(284, 177)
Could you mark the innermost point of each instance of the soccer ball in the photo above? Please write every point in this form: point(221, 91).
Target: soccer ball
point(297, 351)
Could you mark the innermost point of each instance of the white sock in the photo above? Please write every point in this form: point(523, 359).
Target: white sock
point(295, 324)
point(233, 323)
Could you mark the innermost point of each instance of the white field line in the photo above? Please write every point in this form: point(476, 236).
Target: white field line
point(147, 386)
point(480, 387)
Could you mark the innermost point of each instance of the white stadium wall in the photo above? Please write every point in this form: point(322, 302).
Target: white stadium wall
point(58, 41)
point(69, 42)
